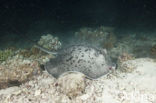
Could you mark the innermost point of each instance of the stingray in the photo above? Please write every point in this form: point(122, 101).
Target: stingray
point(92, 62)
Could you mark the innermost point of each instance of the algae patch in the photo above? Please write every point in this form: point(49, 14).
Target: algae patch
point(5, 54)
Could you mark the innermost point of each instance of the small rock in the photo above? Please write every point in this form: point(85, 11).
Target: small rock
point(72, 84)
point(37, 92)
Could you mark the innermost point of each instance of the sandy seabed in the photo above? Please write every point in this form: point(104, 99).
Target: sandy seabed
point(119, 87)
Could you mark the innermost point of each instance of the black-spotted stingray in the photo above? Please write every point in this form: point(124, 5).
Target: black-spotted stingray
point(92, 62)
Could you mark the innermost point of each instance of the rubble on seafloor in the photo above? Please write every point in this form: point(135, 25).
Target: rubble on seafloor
point(17, 70)
point(19, 66)
point(102, 36)
point(123, 62)
point(137, 86)
point(133, 44)
point(72, 84)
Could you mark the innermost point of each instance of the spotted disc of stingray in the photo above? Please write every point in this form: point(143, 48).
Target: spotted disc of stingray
point(92, 62)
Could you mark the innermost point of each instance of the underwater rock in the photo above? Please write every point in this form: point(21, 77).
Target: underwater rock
point(92, 62)
point(132, 44)
point(71, 84)
point(101, 36)
point(17, 70)
point(125, 57)
point(50, 42)
point(124, 63)
point(127, 67)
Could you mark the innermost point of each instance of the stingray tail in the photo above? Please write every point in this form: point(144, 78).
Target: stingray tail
point(45, 50)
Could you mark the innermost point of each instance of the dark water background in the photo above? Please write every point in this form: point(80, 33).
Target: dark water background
point(33, 18)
